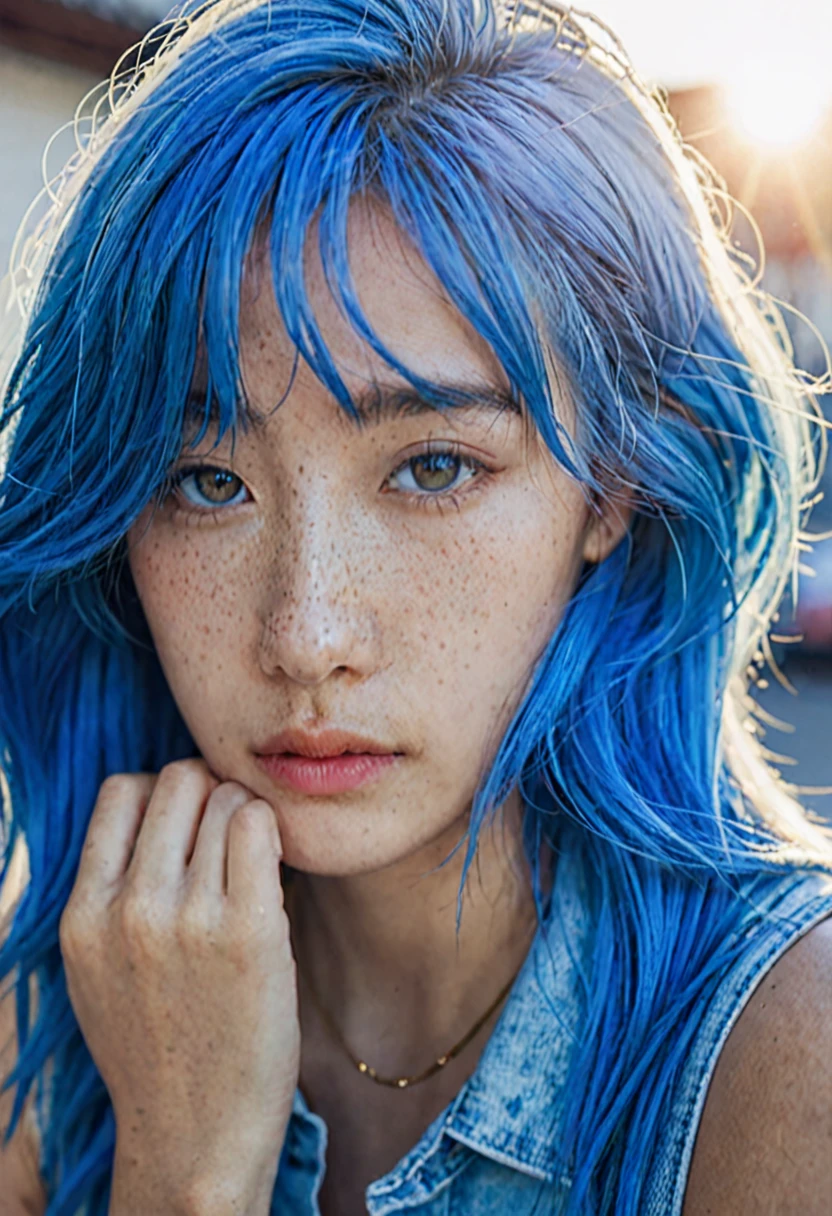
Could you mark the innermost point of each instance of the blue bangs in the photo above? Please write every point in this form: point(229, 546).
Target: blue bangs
point(552, 198)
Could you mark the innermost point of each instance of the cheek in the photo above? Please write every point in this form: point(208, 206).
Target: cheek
point(194, 606)
point(488, 600)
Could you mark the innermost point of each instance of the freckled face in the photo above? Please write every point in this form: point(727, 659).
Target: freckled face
point(397, 581)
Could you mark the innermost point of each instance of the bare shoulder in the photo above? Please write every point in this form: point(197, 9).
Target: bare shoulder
point(21, 1189)
point(764, 1143)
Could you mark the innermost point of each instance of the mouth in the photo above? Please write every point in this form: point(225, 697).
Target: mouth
point(329, 762)
point(326, 775)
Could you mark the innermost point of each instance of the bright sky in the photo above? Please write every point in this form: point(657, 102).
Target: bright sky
point(681, 42)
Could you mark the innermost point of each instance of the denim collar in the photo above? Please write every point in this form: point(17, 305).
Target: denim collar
point(511, 1107)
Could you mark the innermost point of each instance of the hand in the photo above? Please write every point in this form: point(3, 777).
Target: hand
point(180, 972)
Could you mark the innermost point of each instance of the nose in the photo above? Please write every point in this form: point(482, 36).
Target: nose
point(320, 619)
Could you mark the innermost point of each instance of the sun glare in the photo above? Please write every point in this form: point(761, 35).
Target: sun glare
point(778, 109)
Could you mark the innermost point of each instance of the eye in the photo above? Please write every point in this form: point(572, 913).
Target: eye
point(436, 471)
point(209, 486)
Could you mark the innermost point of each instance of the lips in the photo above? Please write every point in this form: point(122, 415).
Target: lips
point(325, 763)
point(327, 743)
point(327, 776)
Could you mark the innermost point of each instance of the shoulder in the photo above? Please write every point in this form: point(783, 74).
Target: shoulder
point(764, 1142)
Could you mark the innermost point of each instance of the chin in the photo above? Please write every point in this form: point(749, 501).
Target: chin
point(328, 859)
point(346, 845)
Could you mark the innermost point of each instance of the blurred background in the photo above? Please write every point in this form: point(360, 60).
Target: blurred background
point(750, 86)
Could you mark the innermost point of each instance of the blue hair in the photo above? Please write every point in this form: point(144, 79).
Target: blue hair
point(553, 198)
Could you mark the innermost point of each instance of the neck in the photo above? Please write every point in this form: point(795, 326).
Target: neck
point(381, 949)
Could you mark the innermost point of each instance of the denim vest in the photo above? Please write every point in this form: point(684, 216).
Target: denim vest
point(492, 1149)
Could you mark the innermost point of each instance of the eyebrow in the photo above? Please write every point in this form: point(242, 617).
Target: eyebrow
point(379, 403)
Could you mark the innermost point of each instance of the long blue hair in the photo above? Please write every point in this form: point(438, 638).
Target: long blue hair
point(551, 194)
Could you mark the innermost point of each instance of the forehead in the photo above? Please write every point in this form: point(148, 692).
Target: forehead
point(401, 298)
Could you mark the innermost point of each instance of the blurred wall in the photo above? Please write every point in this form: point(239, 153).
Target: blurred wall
point(36, 97)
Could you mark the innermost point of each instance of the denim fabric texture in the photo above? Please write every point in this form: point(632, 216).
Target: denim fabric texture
point(491, 1150)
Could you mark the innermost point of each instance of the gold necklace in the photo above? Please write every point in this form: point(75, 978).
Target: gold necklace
point(438, 1064)
point(406, 1082)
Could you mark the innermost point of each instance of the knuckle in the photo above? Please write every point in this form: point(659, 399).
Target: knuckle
point(118, 788)
point(186, 774)
point(247, 818)
point(184, 778)
point(248, 940)
point(252, 818)
point(227, 797)
point(199, 919)
point(140, 921)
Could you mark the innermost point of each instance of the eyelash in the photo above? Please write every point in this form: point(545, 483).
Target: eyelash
point(438, 499)
point(427, 499)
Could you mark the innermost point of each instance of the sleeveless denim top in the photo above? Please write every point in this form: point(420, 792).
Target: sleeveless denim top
point(491, 1150)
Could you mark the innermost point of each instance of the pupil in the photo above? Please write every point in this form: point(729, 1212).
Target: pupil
point(217, 484)
point(430, 473)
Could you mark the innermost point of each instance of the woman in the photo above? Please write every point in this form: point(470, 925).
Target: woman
point(401, 478)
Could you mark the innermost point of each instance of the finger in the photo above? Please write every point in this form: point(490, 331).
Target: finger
point(254, 852)
point(171, 823)
point(113, 828)
point(208, 864)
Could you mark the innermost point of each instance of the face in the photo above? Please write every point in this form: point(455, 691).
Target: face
point(396, 580)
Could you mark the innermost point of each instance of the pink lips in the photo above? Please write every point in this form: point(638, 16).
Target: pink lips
point(326, 762)
point(329, 775)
